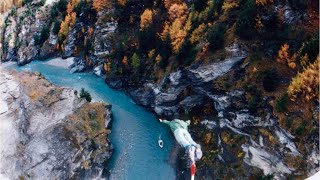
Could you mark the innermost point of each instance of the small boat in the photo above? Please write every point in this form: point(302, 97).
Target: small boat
point(160, 142)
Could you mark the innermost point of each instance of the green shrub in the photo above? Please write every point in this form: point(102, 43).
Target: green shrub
point(267, 177)
point(301, 129)
point(56, 27)
point(199, 5)
point(218, 5)
point(311, 48)
point(135, 61)
point(216, 37)
point(255, 102)
point(245, 25)
point(85, 94)
point(281, 105)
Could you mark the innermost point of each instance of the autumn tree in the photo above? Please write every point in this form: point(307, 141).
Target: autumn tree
point(178, 11)
point(122, 2)
point(229, 5)
point(6, 5)
point(168, 3)
point(177, 35)
point(177, 27)
point(125, 61)
point(99, 5)
point(283, 54)
point(146, 19)
point(263, 2)
point(197, 33)
point(306, 84)
point(69, 20)
point(284, 57)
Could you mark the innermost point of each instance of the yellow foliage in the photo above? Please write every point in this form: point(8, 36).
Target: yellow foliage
point(146, 19)
point(304, 60)
point(284, 57)
point(151, 53)
point(197, 33)
point(68, 22)
point(73, 19)
point(165, 31)
point(64, 29)
point(306, 84)
point(99, 5)
point(107, 66)
point(227, 6)
point(177, 35)
point(158, 58)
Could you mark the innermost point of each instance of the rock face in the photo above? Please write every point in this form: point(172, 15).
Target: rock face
point(19, 27)
point(261, 143)
point(181, 91)
point(48, 131)
point(18, 30)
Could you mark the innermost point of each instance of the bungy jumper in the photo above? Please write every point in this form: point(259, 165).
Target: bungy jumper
point(183, 137)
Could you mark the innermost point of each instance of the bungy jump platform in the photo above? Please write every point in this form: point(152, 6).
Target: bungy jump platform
point(183, 137)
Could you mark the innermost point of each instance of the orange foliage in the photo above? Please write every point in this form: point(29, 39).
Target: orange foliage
point(283, 54)
point(165, 31)
point(263, 2)
point(158, 58)
point(178, 11)
point(168, 3)
point(177, 34)
point(125, 61)
point(146, 19)
point(99, 5)
point(284, 57)
point(5, 5)
point(122, 2)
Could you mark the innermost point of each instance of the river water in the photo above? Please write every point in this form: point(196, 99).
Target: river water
point(135, 131)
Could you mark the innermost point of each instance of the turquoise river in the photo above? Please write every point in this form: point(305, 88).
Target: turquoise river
point(135, 131)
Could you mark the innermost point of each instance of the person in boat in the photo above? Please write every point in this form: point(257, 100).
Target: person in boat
point(183, 137)
point(160, 142)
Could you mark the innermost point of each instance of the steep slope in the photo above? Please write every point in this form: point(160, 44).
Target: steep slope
point(48, 131)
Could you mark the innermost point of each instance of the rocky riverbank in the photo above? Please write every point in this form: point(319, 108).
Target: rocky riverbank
point(233, 134)
point(48, 131)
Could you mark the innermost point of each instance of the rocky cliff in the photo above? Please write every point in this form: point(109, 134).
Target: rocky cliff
point(48, 131)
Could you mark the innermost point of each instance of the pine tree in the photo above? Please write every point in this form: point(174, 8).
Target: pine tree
point(135, 61)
